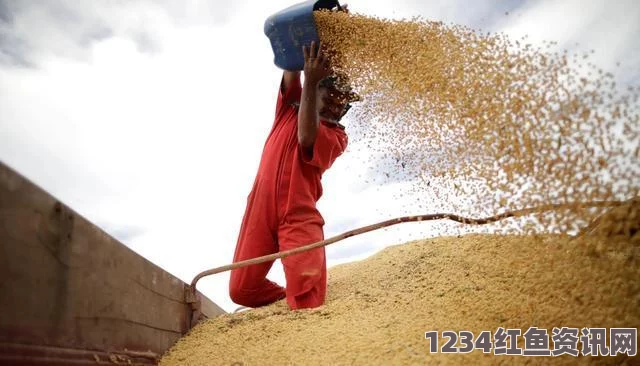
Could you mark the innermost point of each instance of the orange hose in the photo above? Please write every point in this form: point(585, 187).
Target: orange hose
point(429, 217)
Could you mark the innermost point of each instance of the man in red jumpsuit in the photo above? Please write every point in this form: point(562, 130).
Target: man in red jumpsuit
point(281, 214)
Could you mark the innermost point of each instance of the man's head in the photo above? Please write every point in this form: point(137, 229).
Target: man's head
point(334, 99)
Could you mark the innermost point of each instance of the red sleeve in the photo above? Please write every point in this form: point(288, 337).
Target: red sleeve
point(291, 95)
point(330, 143)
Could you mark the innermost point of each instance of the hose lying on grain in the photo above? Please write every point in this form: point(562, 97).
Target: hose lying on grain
point(429, 217)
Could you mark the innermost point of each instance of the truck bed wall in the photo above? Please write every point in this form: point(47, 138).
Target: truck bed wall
point(73, 294)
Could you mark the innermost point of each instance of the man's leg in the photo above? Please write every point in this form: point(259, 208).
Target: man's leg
point(249, 286)
point(306, 272)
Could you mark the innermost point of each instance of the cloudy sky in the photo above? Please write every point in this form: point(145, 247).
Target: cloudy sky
point(149, 117)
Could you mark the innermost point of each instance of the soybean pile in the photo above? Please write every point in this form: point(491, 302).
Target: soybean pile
point(378, 309)
point(479, 124)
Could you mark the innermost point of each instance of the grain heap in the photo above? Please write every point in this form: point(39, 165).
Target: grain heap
point(498, 123)
point(619, 224)
point(378, 309)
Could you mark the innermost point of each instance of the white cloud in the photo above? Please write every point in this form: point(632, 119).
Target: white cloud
point(609, 29)
point(160, 148)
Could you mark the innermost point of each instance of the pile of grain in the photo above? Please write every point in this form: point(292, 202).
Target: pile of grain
point(378, 309)
point(481, 123)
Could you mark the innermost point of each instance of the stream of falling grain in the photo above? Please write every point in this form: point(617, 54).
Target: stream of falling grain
point(482, 123)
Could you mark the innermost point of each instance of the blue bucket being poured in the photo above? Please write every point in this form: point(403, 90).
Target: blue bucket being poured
point(291, 28)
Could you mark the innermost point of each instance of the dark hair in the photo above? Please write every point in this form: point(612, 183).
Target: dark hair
point(334, 82)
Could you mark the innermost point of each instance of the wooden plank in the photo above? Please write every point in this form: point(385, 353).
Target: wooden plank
point(66, 283)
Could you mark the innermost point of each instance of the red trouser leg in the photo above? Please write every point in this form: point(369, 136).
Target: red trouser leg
point(248, 286)
point(306, 272)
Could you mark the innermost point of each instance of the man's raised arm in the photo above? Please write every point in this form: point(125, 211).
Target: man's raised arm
point(316, 68)
point(289, 78)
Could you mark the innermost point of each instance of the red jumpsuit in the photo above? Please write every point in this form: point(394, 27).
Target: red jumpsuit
point(281, 212)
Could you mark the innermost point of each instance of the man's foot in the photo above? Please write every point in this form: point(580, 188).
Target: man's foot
point(241, 308)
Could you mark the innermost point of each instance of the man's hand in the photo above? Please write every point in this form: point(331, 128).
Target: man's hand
point(316, 64)
point(316, 68)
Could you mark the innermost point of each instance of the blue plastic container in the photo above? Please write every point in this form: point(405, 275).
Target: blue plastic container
point(291, 28)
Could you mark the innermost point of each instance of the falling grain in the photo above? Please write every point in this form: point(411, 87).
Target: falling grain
point(505, 124)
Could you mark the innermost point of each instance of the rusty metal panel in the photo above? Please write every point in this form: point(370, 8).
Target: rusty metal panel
point(70, 290)
point(27, 355)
